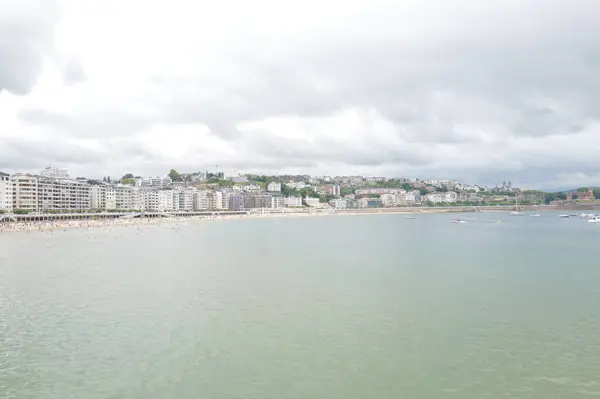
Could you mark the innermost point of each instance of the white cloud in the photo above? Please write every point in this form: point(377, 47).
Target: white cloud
point(476, 91)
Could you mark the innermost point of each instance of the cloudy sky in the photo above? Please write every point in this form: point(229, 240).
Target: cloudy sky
point(476, 91)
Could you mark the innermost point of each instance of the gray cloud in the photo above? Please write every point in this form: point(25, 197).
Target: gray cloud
point(468, 92)
point(74, 72)
point(26, 38)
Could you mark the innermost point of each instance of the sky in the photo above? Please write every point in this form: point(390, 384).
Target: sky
point(480, 92)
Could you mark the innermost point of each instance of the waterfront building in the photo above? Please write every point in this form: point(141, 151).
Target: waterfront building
point(388, 199)
point(258, 201)
point(215, 200)
point(98, 197)
point(339, 203)
point(235, 201)
point(25, 195)
point(292, 201)
point(201, 200)
point(277, 202)
point(165, 200)
point(310, 201)
point(151, 200)
point(6, 192)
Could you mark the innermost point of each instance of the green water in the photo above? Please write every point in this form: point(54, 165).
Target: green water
point(324, 307)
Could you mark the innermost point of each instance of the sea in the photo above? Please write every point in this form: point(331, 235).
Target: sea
point(332, 307)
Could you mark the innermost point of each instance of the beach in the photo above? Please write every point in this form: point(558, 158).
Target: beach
point(49, 226)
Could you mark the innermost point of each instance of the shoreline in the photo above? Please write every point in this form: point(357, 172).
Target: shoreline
point(108, 223)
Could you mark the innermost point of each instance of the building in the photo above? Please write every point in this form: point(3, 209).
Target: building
point(98, 197)
point(310, 201)
point(24, 191)
point(277, 202)
point(339, 203)
point(151, 200)
point(165, 200)
point(215, 200)
point(258, 201)
point(274, 187)
point(333, 190)
point(54, 173)
point(62, 194)
point(367, 202)
point(388, 199)
point(291, 202)
point(200, 200)
point(6, 193)
point(235, 201)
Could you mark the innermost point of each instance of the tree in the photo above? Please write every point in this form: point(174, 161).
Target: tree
point(597, 193)
point(575, 196)
point(561, 196)
point(128, 181)
point(175, 176)
point(127, 176)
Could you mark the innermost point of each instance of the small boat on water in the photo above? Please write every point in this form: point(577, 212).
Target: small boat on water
point(535, 215)
point(563, 216)
point(459, 221)
point(596, 219)
point(411, 217)
point(516, 212)
point(587, 216)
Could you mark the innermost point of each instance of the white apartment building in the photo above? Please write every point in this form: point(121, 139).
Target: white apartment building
point(186, 199)
point(165, 200)
point(296, 185)
point(98, 197)
point(63, 194)
point(40, 193)
point(111, 197)
point(388, 199)
point(55, 173)
point(339, 203)
point(156, 182)
point(200, 200)
point(6, 192)
point(151, 200)
point(310, 201)
point(25, 195)
point(277, 202)
point(292, 201)
point(274, 187)
point(215, 200)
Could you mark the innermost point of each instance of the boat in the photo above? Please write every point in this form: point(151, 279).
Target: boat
point(596, 219)
point(516, 212)
point(587, 216)
point(411, 217)
point(459, 221)
point(535, 215)
point(563, 216)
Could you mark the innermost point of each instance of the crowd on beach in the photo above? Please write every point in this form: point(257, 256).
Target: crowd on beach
point(63, 225)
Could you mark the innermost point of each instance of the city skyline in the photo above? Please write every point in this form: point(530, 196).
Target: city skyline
point(420, 88)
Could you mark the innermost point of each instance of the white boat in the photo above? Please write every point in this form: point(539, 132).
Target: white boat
point(535, 215)
point(587, 216)
point(459, 221)
point(596, 219)
point(563, 216)
point(516, 212)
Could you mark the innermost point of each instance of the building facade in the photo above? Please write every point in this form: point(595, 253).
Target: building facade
point(6, 193)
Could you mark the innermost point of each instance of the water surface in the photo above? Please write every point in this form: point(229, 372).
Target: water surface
point(361, 307)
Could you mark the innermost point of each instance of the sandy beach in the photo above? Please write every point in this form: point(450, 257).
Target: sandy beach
point(63, 225)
